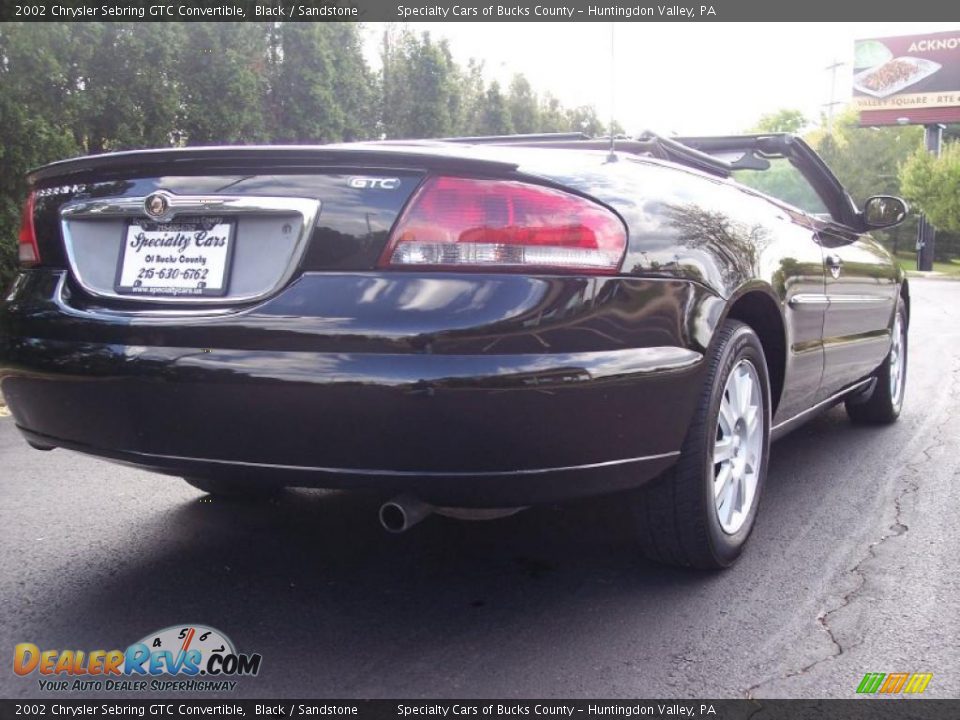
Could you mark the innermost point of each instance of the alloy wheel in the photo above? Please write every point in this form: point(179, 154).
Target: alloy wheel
point(738, 448)
point(897, 365)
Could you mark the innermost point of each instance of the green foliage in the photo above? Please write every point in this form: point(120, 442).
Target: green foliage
point(585, 119)
point(523, 106)
point(866, 161)
point(786, 120)
point(782, 180)
point(354, 85)
point(28, 114)
point(321, 88)
point(552, 115)
point(933, 184)
point(28, 141)
point(305, 105)
point(495, 118)
point(472, 98)
point(223, 81)
point(420, 87)
point(118, 67)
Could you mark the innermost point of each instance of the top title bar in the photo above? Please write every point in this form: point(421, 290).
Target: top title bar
point(463, 10)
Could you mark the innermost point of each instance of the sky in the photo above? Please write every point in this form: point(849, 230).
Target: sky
point(676, 77)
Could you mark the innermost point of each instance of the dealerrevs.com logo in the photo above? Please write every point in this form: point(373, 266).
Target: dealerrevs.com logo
point(200, 658)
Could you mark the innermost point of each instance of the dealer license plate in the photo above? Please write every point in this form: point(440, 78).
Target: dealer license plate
point(190, 256)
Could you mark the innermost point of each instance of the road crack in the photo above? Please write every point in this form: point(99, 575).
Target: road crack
point(898, 527)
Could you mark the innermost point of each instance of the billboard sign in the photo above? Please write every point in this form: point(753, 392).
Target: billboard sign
point(911, 79)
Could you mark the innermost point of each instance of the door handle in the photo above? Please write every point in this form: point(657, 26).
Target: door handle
point(834, 262)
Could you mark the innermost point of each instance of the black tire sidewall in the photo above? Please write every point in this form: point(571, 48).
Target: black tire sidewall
point(879, 408)
point(895, 408)
point(742, 344)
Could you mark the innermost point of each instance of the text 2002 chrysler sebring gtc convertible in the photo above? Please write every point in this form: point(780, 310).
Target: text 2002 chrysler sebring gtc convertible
point(473, 325)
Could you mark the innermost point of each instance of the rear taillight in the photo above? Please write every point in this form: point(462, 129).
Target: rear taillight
point(29, 252)
point(504, 224)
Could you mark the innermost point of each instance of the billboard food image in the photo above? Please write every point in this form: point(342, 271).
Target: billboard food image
point(894, 76)
point(914, 78)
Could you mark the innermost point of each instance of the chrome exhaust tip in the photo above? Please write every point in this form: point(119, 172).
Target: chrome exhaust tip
point(402, 513)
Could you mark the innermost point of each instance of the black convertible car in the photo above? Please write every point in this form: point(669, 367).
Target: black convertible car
point(474, 325)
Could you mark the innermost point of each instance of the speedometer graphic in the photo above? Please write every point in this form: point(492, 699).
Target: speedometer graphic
point(179, 640)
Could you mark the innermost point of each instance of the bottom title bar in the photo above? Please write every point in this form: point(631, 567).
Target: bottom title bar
point(867, 709)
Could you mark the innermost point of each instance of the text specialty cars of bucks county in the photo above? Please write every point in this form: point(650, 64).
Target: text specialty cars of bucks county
point(469, 325)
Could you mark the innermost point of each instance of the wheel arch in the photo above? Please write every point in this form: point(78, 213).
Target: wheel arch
point(905, 294)
point(758, 307)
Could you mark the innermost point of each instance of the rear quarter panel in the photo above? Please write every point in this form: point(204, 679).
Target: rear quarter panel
point(713, 232)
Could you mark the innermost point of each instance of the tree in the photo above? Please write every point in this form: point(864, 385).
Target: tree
point(932, 183)
point(421, 97)
point(472, 95)
point(867, 160)
point(553, 117)
point(354, 86)
point(223, 72)
point(495, 115)
point(28, 141)
point(33, 119)
point(585, 119)
point(785, 120)
point(117, 66)
point(110, 84)
point(304, 94)
point(523, 106)
point(322, 89)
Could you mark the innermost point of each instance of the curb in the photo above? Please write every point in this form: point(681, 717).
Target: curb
point(932, 275)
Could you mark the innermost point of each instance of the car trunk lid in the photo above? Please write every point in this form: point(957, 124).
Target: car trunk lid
point(225, 225)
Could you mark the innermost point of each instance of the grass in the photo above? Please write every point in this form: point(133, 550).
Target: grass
point(909, 262)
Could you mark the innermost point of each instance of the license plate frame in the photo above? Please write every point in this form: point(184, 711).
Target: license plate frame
point(168, 244)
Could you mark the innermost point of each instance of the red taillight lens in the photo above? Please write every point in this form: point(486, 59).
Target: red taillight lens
point(29, 252)
point(505, 224)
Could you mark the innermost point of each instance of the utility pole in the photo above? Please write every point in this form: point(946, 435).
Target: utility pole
point(833, 92)
point(926, 235)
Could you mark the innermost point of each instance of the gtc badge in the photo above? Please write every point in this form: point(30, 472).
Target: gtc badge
point(156, 205)
point(374, 183)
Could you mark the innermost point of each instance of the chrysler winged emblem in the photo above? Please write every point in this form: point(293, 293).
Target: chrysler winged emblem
point(155, 205)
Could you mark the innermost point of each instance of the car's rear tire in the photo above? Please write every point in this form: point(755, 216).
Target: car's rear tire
point(701, 512)
point(234, 488)
point(885, 402)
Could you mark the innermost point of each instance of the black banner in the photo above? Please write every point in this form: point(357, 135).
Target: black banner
point(464, 10)
point(863, 709)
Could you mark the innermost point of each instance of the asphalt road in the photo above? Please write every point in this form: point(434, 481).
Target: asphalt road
point(853, 568)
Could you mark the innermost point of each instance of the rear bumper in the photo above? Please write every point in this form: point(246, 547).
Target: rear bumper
point(361, 409)
point(507, 488)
